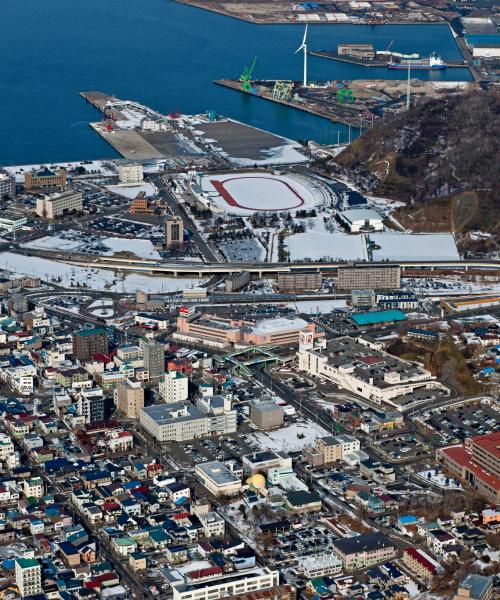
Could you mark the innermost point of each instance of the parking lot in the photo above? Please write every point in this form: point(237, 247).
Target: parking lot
point(403, 446)
point(310, 539)
point(453, 425)
point(125, 227)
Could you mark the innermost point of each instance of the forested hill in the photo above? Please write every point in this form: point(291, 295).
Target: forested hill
point(442, 157)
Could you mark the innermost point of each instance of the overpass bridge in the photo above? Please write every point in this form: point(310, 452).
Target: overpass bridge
point(180, 268)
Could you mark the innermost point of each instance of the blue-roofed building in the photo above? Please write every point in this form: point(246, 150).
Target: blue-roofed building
point(475, 587)
point(378, 317)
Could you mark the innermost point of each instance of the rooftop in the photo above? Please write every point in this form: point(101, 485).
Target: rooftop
point(378, 316)
point(217, 472)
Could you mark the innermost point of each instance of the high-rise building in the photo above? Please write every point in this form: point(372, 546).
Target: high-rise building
point(91, 405)
point(88, 342)
point(174, 233)
point(28, 576)
point(129, 398)
point(174, 387)
point(375, 277)
point(154, 359)
point(7, 185)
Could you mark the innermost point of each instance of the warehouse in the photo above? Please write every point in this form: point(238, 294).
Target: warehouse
point(361, 219)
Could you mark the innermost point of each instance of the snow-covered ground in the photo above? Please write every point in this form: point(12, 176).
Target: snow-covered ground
point(141, 248)
point(439, 479)
point(319, 306)
point(96, 279)
point(103, 168)
point(132, 190)
point(287, 439)
point(414, 246)
point(279, 155)
point(105, 302)
point(317, 246)
point(258, 192)
point(103, 312)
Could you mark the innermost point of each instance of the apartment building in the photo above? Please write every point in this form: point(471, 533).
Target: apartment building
point(364, 550)
point(58, 205)
point(7, 185)
point(420, 563)
point(300, 281)
point(130, 173)
point(129, 397)
point(173, 387)
point(91, 404)
point(213, 524)
point(28, 574)
point(88, 342)
point(376, 277)
point(333, 448)
point(154, 359)
point(477, 463)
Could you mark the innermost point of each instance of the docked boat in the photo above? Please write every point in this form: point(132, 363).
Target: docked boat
point(433, 63)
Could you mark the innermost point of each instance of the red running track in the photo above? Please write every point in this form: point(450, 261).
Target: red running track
point(220, 187)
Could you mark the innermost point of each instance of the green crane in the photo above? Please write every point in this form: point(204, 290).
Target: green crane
point(246, 77)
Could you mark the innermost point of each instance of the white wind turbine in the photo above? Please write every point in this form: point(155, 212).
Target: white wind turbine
point(303, 47)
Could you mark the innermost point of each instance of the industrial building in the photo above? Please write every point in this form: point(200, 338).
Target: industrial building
point(378, 318)
point(361, 219)
point(44, 178)
point(376, 277)
point(363, 51)
point(300, 281)
point(57, 205)
point(364, 369)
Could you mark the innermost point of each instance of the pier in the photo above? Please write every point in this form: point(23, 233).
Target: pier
point(346, 115)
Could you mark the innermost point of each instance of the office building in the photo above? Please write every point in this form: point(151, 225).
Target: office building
point(154, 359)
point(44, 178)
point(237, 281)
point(397, 300)
point(28, 576)
point(58, 205)
point(174, 387)
point(477, 463)
point(7, 185)
point(129, 398)
point(88, 342)
point(174, 233)
point(376, 277)
point(337, 447)
point(262, 462)
point(140, 205)
point(130, 173)
point(266, 414)
point(299, 281)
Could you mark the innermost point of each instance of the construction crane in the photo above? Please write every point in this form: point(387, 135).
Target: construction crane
point(246, 78)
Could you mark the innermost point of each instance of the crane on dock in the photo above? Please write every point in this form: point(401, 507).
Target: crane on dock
point(246, 78)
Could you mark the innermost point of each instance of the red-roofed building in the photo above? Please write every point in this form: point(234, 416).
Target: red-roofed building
point(201, 574)
point(477, 462)
point(421, 563)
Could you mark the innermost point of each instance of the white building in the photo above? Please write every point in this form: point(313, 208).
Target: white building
point(218, 478)
point(21, 379)
point(6, 447)
point(12, 221)
point(173, 387)
point(213, 524)
point(33, 488)
point(225, 584)
point(320, 565)
point(28, 576)
point(130, 173)
point(356, 365)
point(361, 219)
point(57, 205)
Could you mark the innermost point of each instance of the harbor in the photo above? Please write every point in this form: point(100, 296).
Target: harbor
point(372, 63)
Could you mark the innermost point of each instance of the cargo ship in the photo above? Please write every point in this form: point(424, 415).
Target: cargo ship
point(433, 63)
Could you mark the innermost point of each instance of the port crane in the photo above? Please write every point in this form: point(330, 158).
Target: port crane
point(246, 77)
